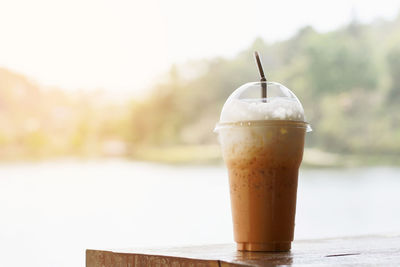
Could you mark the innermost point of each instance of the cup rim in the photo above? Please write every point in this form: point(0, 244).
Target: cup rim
point(263, 123)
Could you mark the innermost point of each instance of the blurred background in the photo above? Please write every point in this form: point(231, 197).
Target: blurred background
point(107, 110)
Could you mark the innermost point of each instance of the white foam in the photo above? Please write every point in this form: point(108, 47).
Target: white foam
point(276, 108)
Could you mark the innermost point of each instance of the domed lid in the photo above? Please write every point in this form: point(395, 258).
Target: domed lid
point(248, 104)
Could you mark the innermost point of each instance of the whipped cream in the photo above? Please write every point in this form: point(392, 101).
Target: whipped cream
point(276, 108)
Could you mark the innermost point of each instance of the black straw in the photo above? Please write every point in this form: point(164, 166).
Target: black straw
point(263, 79)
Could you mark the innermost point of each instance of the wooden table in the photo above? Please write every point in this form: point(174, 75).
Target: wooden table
point(361, 251)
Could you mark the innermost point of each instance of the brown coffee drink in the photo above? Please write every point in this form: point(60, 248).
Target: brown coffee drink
point(262, 141)
point(263, 159)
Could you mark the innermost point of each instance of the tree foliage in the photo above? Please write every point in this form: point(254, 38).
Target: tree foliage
point(348, 81)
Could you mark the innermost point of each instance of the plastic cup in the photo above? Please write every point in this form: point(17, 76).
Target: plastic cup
point(263, 159)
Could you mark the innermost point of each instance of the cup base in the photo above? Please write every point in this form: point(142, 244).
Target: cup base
point(271, 246)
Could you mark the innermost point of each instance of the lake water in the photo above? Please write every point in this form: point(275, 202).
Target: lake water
point(51, 212)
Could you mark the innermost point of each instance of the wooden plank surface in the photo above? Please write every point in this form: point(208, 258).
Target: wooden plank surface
point(365, 251)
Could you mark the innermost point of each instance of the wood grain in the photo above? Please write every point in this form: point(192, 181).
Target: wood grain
point(366, 250)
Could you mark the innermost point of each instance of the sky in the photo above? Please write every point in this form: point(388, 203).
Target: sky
point(126, 45)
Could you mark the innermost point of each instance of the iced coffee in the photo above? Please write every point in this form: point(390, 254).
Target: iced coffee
point(262, 141)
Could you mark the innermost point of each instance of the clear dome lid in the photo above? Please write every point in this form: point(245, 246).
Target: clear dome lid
point(248, 103)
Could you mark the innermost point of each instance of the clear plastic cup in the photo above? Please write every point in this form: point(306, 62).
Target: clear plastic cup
point(262, 146)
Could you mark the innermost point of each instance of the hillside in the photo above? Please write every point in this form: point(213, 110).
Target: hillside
point(348, 81)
